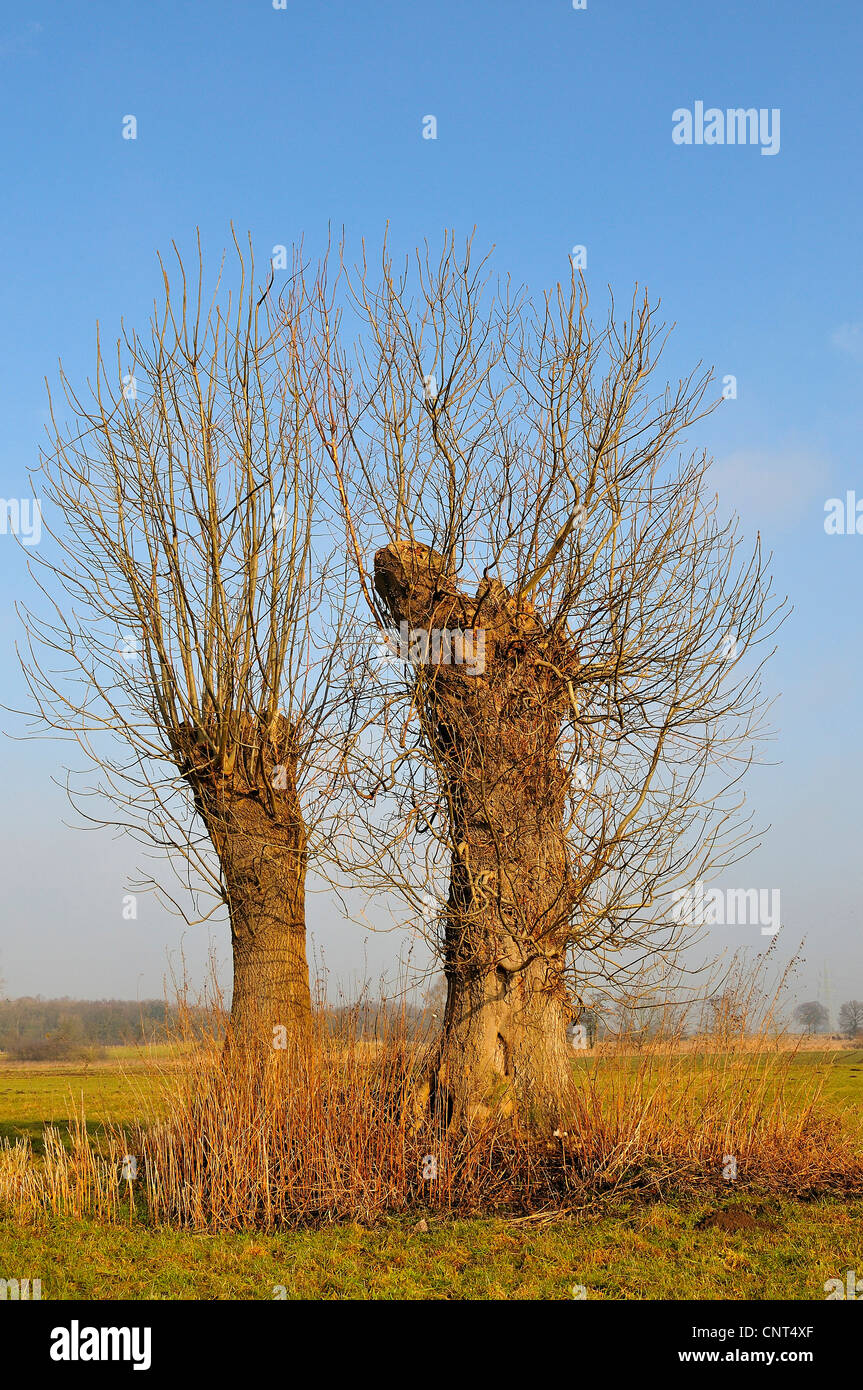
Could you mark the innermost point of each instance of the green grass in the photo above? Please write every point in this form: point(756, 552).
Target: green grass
point(34, 1096)
point(839, 1073)
point(842, 1072)
point(628, 1252)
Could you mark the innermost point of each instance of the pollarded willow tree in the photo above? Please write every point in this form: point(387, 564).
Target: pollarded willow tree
point(193, 620)
point(580, 634)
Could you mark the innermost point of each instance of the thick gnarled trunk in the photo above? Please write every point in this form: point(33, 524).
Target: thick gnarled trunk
point(254, 819)
point(504, 1039)
point(494, 736)
point(504, 1033)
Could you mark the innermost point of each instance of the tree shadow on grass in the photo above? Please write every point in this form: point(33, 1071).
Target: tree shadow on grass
point(13, 1130)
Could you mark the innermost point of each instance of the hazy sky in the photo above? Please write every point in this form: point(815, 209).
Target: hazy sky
point(554, 130)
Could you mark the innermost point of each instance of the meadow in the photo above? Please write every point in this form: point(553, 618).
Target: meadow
point(680, 1232)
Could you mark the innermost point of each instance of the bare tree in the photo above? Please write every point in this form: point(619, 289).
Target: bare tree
point(194, 614)
point(581, 699)
point(851, 1017)
point(812, 1015)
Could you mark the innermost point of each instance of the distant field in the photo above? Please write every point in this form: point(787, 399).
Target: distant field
point(33, 1094)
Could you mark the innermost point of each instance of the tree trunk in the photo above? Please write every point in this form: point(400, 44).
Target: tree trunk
point(264, 864)
point(504, 1039)
point(492, 725)
point(253, 816)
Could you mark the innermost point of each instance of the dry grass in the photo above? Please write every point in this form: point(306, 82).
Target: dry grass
point(664, 1118)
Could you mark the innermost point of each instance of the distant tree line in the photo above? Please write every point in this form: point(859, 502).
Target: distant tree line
point(815, 1018)
point(44, 1030)
point(50, 1029)
point(36, 1029)
point(851, 1017)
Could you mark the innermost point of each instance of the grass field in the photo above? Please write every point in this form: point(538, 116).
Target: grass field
point(33, 1094)
point(660, 1251)
point(728, 1244)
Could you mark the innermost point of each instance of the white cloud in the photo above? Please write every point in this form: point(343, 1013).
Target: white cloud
point(18, 42)
point(769, 487)
point(848, 337)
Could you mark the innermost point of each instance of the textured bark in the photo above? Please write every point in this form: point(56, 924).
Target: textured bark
point(494, 736)
point(254, 819)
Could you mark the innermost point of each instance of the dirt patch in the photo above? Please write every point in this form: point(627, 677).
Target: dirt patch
point(733, 1219)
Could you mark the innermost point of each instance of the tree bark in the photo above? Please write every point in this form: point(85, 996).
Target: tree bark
point(494, 735)
point(254, 819)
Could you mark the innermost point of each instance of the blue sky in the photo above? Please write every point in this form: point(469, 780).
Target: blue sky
point(553, 130)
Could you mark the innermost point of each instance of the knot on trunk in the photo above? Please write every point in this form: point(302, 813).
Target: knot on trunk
point(413, 580)
point(520, 654)
point(238, 750)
